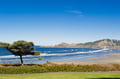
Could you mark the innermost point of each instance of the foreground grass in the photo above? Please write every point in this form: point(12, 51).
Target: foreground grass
point(64, 76)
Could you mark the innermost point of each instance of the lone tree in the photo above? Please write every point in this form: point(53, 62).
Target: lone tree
point(21, 48)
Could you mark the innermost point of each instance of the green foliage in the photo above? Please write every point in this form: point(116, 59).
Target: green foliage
point(5, 45)
point(40, 58)
point(22, 69)
point(49, 67)
point(48, 62)
point(20, 48)
point(36, 53)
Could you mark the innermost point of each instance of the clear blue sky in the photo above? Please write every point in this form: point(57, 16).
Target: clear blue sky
point(49, 22)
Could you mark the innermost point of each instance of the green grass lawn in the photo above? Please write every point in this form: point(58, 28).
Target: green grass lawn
point(64, 76)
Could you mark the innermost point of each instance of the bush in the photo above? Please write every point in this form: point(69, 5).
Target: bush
point(49, 67)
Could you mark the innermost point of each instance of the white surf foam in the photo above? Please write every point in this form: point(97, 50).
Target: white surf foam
point(8, 56)
point(62, 54)
point(45, 54)
point(13, 56)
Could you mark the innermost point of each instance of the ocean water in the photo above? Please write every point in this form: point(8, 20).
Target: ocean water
point(56, 54)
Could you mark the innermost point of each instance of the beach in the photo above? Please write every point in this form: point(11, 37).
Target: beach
point(65, 55)
point(113, 58)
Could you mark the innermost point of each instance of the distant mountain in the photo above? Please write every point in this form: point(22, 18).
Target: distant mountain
point(104, 43)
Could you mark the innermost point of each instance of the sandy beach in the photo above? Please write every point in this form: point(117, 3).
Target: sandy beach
point(113, 58)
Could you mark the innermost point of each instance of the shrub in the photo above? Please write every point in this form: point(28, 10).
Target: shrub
point(49, 67)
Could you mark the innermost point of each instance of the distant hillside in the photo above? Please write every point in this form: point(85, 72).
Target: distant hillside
point(104, 43)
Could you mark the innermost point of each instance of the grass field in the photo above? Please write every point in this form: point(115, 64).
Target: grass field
point(64, 76)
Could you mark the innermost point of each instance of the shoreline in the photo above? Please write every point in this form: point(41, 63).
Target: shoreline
point(113, 58)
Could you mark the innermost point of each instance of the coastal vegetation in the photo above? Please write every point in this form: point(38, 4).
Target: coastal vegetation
point(20, 48)
point(50, 67)
point(104, 43)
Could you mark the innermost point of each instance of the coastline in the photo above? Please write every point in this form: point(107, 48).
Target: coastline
point(113, 58)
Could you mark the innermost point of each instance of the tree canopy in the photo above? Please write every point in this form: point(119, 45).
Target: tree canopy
point(20, 48)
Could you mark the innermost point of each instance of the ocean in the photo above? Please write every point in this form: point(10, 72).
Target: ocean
point(56, 54)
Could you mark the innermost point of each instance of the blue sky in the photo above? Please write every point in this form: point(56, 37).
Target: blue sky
point(49, 22)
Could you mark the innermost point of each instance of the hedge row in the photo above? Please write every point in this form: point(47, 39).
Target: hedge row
point(40, 68)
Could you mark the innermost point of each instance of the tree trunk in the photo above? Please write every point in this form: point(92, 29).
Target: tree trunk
point(21, 59)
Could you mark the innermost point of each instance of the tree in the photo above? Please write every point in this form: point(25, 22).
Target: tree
point(20, 48)
point(5, 45)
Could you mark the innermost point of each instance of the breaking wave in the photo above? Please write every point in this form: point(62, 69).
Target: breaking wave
point(56, 54)
point(45, 54)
